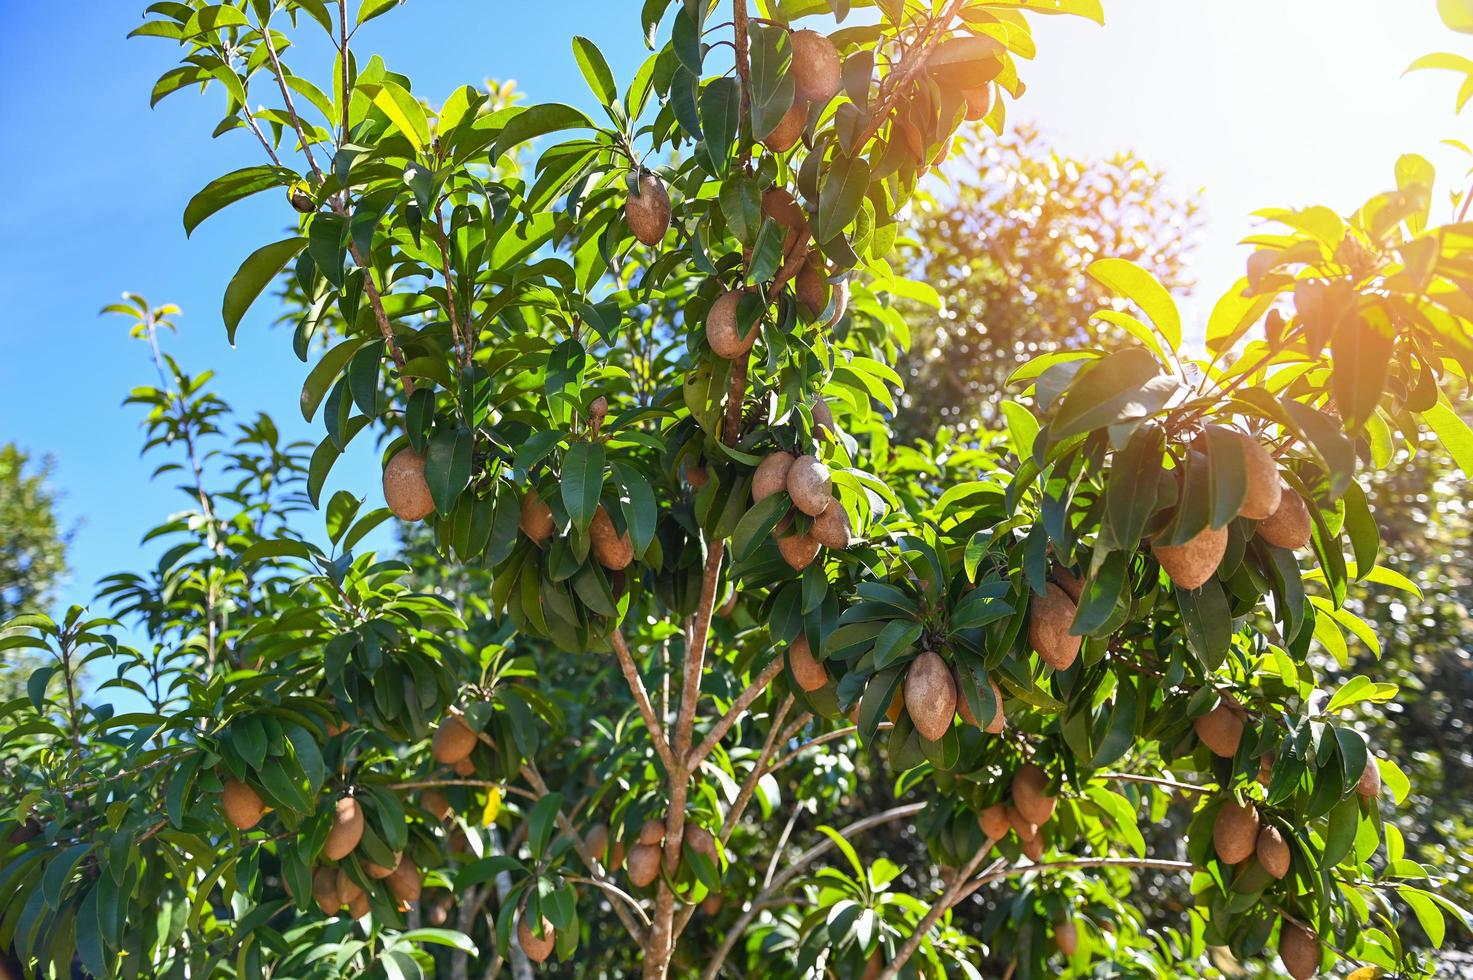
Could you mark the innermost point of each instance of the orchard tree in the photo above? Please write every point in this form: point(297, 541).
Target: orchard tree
point(636, 392)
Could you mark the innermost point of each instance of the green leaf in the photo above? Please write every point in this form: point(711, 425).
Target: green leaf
point(1130, 494)
point(540, 822)
point(538, 120)
point(404, 111)
point(595, 70)
point(373, 8)
point(1452, 431)
point(326, 372)
point(583, 481)
point(1227, 475)
point(234, 186)
point(840, 196)
point(254, 274)
point(1125, 278)
point(755, 527)
point(1125, 385)
point(641, 513)
point(1361, 359)
point(1424, 905)
point(448, 466)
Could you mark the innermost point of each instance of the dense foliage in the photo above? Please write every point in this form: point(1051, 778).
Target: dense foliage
point(672, 563)
point(32, 544)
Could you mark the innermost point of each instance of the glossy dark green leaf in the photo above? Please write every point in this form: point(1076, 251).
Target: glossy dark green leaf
point(448, 466)
point(1130, 492)
point(595, 70)
point(254, 274)
point(582, 481)
point(1227, 479)
point(235, 186)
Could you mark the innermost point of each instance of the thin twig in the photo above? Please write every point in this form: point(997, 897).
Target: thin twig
point(642, 698)
point(614, 890)
point(737, 709)
point(950, 897)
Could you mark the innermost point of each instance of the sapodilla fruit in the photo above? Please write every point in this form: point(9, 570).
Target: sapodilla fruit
point(930, 695)
point(700, 840)
point(789, 129)
point(643, 864)
point(1026, 829)
point(1235, 831)
point(823, 416)
point(1369, 784)
point(652, 832)
point(405, 489)
point(377, 871)
point(1265, 489)
point(807, 670)
point(1300, 951)
point(613, 550)
point(1289, 526)
point(1033, 848)
point(536, 520)
point(348, 890)
point(242, 804)
point(1030, 794)
point(1190, 565)
point(435, 804)
point(454, 740)
point(979, 102)
point(648, 212)
point(1066, 937)
point(994, 821)
point(325, 890)
point(771, 475)
point(696, 475)
point(999, 719)
point(405, 883)
point(810, 485)
point(1049, 618)
point(1072, 584)
point(798, 550)
point(817, 73)
point(1220, 729)
point(711, 904)
point(831, 528)
point(537, 948)
point(1272, 851)
point(721, 326)
point(812, 286)
point(347, 829)
point(465, 767)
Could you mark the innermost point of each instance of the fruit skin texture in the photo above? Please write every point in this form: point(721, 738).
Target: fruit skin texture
point(405, 489)
point(453, 741)
point(1300, 951)
point(721, 326)
point(1190, 565)
point(930, 695)
point(325, 890)
point(1049, 617)
point(999, 719)
point(405, 883)
point(1033, 848)
point(1026, 829)
point(1369, 784)
point(1072, 584)
point(810, 485)
point(771, 475)
point(1272, 851)
point(536, 521)
point(808, 671)
point(1220, 729)
point(994, 821)
point(653, 832)
point(1066, 937)
point(831, 528)
point(242, 804)
point(1265, 489)
point(816, 70)
point(378, 871)
point(1289, 525)
point(536, 949)
point(1235, 832)
point(613, 550)
point(347, 829)
point(785, 134)
point(799, 550)
point(648, 213)
point(643, 864)
point(1030, 796)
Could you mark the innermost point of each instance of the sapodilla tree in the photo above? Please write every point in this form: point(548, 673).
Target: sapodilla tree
point(494, 327)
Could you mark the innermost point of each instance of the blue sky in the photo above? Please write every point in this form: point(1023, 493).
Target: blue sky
point(1260, 102)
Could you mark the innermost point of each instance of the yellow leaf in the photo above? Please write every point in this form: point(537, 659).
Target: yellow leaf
point(493, 806)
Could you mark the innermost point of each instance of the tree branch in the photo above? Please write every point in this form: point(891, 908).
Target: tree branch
point(642, 698)
point(738, 707)
point(286, 96)
point(1044, 866)
point(910, 65)
point(950, 897)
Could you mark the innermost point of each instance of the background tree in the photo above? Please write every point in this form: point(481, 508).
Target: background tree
point(32, 551)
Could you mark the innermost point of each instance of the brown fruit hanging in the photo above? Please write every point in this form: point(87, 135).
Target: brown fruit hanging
point(536, 521)
point(817, 73)
point(648, 212)
point(405, 883)
point(537, 948)
point(1066, 937)
point(785, 134)
point(1235, 831)
point(812, 286)
point(810, 485)
point(349, 891)
point(347, 829)
point(1220, 729)
point(1030, 794)
point(784, 209)
point(1049, 618)
point(700, 840)
point(696, 475)
point(1265, 489)
point(771, 475)
point(465, 767)
point(454, 740)
point(930, 695)
point(377, 871)
point(1369, 784)
point(405, 489)
point(1033, 848)
point(994, 821)
point(1025, 829)
point(1289, 526)
point(653, 831)
point(242, 804)
point(435, 804)
point(721, 326)
point(823, 416)
point(1072, 584)
point(831, 528)
point(711, 904)
point(999, 719)
point(1272, 851)
point(643, 864)
point(325, 890)
point(1190, 565)
point(807, 670)
point(613, 550)
point(798, 550)
point(1300, 951)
